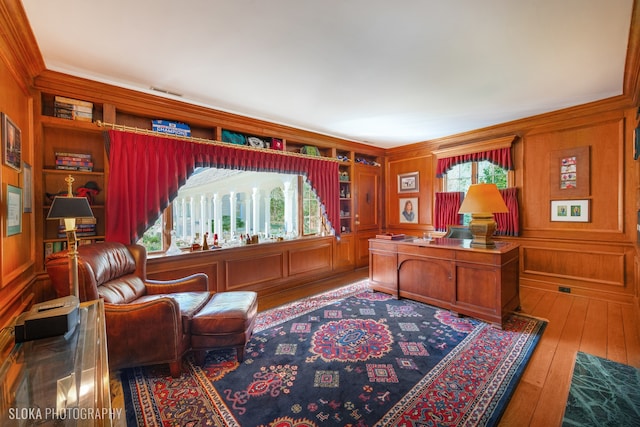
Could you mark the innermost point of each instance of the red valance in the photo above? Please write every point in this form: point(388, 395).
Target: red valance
point(146, 171)
point(500, 157)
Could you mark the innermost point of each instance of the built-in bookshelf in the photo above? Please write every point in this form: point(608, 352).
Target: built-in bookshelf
point(72, 145)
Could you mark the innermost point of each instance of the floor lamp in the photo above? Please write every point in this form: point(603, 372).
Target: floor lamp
point(69, 208)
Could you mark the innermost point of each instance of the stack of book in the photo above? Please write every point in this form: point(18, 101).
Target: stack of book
point(53, 247)
point(74, 161)
point(85, 227)
point(73, 109)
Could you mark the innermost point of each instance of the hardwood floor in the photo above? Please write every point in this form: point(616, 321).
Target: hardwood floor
point(605, 329)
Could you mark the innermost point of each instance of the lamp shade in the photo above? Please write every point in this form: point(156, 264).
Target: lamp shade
point(483, 198)
point(70, 207)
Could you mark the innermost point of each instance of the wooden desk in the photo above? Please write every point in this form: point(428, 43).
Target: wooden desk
point(61, 381)
point(448, 273)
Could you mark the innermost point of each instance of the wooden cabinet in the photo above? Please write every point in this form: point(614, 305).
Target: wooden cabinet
point(448, 273)
point(367, 209)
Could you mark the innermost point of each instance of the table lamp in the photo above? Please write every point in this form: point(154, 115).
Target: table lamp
point(482, 201)
point(69, 208)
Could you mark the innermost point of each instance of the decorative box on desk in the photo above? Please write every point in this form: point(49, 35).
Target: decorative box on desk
point(448, 273)
point(61, 381)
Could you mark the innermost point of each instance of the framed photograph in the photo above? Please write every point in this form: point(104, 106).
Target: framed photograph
point(408, 182)
point(11, 143)
point(14, 210)
point(409, 210)
point(569, 173)
point(570, 210)
point(27, 187)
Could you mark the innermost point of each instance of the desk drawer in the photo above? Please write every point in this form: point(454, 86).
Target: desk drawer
point(426, 250)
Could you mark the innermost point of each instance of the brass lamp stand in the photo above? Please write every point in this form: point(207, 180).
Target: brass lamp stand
point(482, 201)
point(69, 208)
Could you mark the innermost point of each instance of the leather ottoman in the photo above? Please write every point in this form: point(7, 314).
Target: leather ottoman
point(226, 321)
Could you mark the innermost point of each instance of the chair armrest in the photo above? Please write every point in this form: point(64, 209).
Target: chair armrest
point(143, 333)
point(195, 283)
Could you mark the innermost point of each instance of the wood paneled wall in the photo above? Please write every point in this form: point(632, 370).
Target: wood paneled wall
point(17, 250)
point(265, 268)
point(595, 258)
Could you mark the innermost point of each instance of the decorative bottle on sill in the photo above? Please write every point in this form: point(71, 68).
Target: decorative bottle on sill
point(205, 242)
point(215, 240)
point(173, 248)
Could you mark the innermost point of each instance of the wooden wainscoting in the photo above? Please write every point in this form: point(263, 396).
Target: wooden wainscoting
point(595, 269)
point(264, 268)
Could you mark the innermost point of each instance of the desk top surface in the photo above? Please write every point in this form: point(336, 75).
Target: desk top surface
point(447, 243)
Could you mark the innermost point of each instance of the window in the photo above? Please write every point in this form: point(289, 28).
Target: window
point(233, 204)
point(462, 175)
point(310, 211)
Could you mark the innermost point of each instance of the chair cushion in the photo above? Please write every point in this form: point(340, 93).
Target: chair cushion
point(122, 290)
point(226, 313)
point(190, 303)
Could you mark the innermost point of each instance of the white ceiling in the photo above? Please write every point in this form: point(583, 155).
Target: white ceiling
point(381, 72)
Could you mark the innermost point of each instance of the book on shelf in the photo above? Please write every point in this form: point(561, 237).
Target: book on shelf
point(73, 155)
point(74, 168)
point(53, 247)
point(84, 221)
point(85, 227)
point(74, 161)
point(72, 109)
point(69, 162)
point(72, 101)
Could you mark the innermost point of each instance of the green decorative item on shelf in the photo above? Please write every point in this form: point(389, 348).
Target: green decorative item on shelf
point(310, 150)
point(233, 137)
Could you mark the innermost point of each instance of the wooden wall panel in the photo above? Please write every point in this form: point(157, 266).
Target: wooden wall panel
point(593, 266)
point(175, 268)
point(344, 255)
point(424, 164)
point(605, 139)
point(310, 260)
point(264, 268)
point(17, 279)
point(253, 270)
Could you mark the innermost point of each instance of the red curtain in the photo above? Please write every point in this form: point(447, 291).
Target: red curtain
point(145, 173)
point(446, 210)
point(500, 157)
point(509, 222)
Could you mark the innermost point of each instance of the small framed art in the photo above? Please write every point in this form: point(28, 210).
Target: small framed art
point(409, 210)
point(14, 210)
point(11, 143)
point(408, 182)
point(569, 173)
point(570, 210)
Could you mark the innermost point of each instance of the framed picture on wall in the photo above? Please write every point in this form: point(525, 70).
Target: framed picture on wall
point(408, 182)
point(569, 171)
point(11, 143)
point(409, 210)
point(570, 210)
point(14, 210)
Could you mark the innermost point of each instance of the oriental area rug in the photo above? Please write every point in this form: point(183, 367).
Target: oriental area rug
point(349, 357)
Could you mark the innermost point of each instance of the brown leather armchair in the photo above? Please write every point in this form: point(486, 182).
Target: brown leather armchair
point(147, 321)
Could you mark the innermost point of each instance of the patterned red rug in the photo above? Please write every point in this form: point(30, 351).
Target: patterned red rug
point(350, 357)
